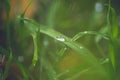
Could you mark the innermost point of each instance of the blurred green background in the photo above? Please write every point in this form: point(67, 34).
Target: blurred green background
point(56, 61)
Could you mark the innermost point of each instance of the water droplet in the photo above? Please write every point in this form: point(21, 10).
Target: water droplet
point(59, 38)
point(85, 32)
point(20, 58)
point(98, 7)
point(81, 47)
point(46, 42)
point(107, 59)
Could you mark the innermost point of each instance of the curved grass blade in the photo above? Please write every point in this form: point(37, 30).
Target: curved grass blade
point(81, 34)
point(33, 30)
point(114, 27)
point(113, 32)
point(98, 34)
point(86, 54)
point(77, 74)
point(35, 56)
point(82, 51)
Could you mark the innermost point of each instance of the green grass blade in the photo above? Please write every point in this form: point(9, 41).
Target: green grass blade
point(8, 64)
point(30, 2)
point(50, 70)
point(68, 41)
point(62, 51)
point(111, 50)
point(114, 47)
point(112, 55)
point(108, 18)
point(23, 70)
point(114, 26)
point(52, 12)
point(77, 74)
point(81, 34)
point(98, 34)
point(26, 29)
point(33, 30)
point(7, 7)
point(35, 56)
point(63, 73)
point(82, 51)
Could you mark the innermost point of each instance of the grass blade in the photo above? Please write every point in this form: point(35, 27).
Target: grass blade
point(68, 41)
point(30, 2)
point(52, 12)
point(8, 64)
point(80, 34)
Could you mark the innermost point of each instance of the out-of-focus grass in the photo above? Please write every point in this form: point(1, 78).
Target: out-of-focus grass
point(59, 57)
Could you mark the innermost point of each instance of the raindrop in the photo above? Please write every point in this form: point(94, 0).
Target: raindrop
point(98, 7)
point(107, 59)
point(81, 47)
point(20, 58)
point(46, 42)
point(59, 38)
point(85, 32)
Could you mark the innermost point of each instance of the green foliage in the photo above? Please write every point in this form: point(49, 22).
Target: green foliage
point(50, 45)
